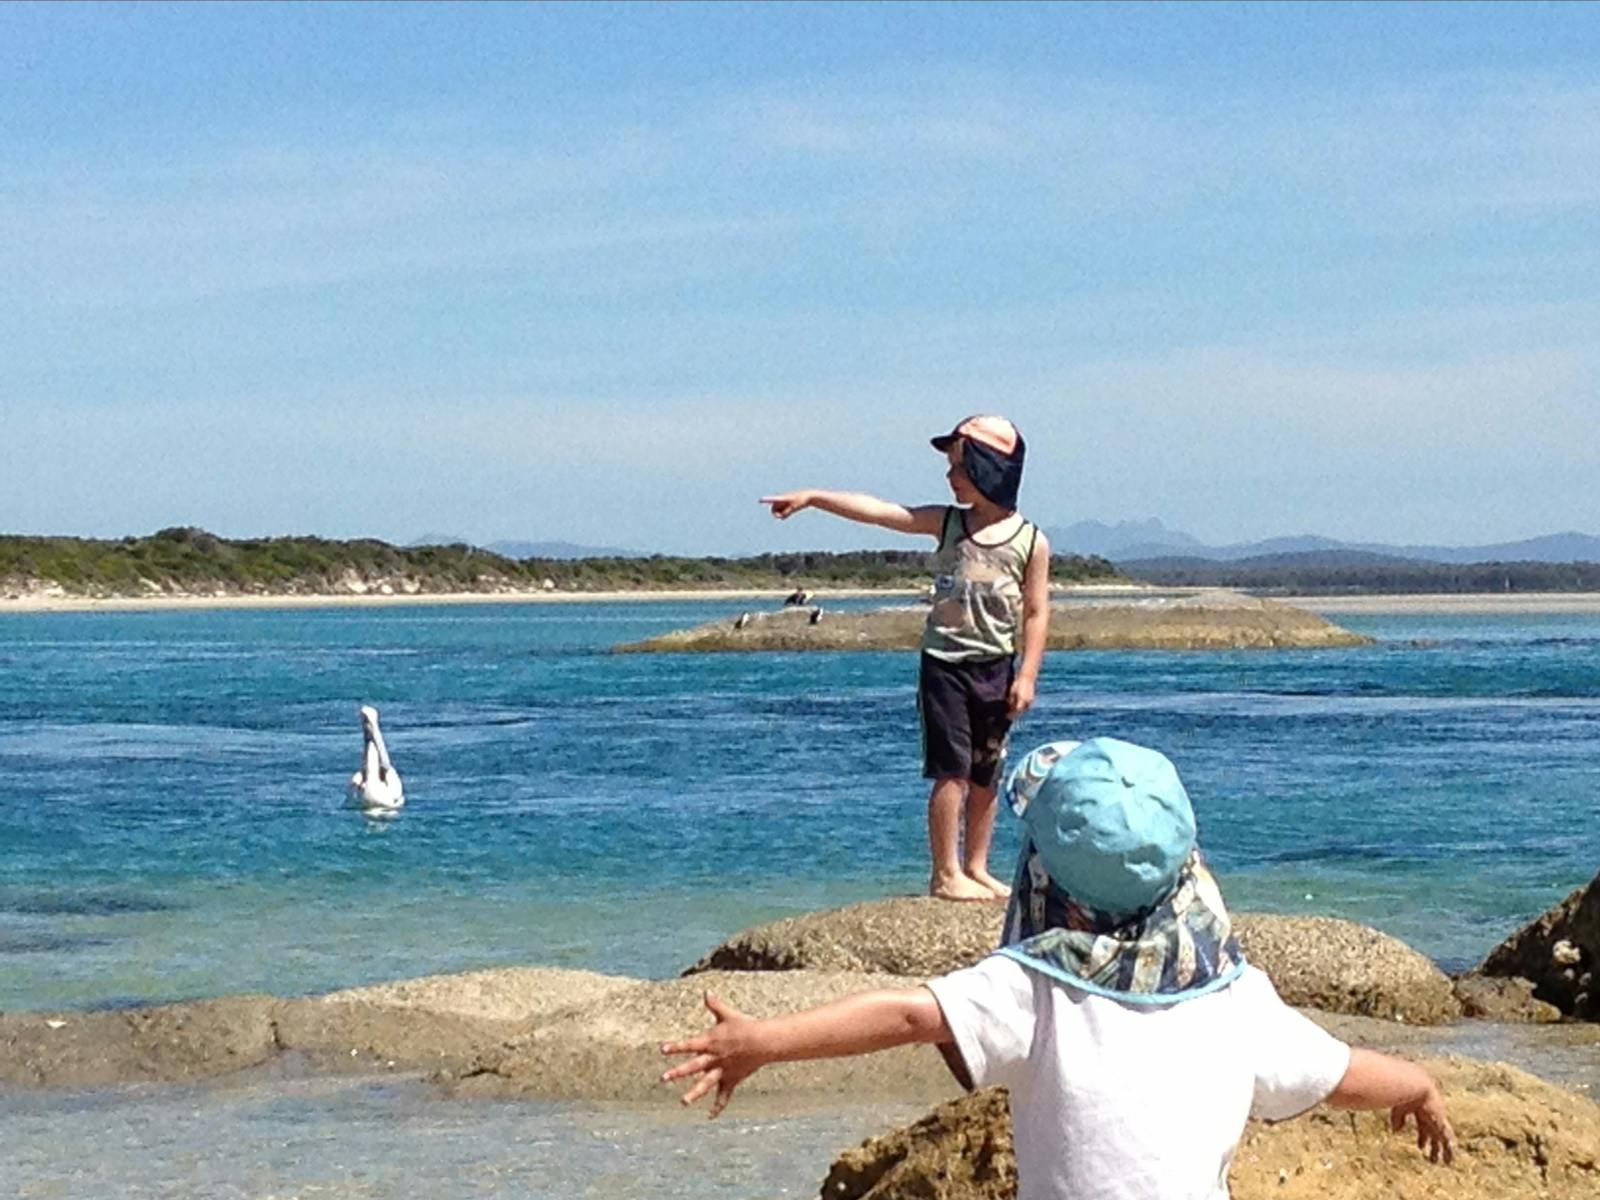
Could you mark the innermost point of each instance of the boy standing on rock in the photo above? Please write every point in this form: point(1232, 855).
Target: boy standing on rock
point(991, 588)
point(1119, 1011)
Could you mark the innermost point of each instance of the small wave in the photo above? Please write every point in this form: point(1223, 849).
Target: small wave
point(1358, 853)
point(105, 905)
point(47, 942)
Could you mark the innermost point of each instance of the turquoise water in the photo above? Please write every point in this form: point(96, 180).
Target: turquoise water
point(172, 817)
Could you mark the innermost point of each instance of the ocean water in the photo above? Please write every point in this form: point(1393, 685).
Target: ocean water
point(172, 817)
point(172, 824)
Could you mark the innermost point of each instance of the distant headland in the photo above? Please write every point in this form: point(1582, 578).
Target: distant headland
point(192, 563)
point(190, 566)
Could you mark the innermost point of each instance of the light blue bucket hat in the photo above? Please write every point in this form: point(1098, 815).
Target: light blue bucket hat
point(1112, 895)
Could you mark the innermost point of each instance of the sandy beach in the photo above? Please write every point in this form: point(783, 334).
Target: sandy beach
point(53, 601)
point(50, 602)
point(1487, 603)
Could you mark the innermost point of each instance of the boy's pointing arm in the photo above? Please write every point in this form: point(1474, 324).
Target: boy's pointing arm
point(859, 506)
point(737, 1046)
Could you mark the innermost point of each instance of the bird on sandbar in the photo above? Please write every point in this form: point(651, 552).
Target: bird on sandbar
point(816, 616)
point(744, 619)
point(376, 787)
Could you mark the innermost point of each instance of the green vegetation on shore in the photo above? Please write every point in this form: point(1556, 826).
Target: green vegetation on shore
point(187, 561)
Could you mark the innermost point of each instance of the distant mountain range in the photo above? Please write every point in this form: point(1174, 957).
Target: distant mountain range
point(521, 550)
point(1134, 541)
point(1143, 541)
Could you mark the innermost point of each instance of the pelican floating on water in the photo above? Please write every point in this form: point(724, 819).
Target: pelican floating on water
point(376, 788)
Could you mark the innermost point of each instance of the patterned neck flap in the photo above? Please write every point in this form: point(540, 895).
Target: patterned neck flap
point(1178, 950)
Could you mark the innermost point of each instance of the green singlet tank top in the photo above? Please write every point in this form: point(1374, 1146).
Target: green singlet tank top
point(977, 592)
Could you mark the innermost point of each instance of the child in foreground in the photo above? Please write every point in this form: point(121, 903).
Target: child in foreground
point(1119, 1011)
point(991, 584)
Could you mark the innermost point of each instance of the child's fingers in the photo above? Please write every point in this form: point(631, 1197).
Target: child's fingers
point(683, 1070)
point(703, 1085)
point(694, 1045)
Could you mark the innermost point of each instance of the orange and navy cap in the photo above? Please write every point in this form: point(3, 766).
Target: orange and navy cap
point(997, 433)
point(992, 454)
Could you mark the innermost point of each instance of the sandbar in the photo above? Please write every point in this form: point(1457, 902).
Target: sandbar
point(1443, 604)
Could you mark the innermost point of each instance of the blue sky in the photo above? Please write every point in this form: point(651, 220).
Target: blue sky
point(609, 273)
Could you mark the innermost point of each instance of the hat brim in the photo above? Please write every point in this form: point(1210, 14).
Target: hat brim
point(944, 441)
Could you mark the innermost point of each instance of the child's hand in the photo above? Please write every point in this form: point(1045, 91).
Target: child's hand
point(1020, 698)
point(724, 1056)
point(785, 506)
point(1434, 1135)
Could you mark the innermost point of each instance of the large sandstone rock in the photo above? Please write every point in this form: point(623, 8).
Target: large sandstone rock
point(1559, 953)
point(443, 1022)
point(612, 1050)
point(1508, 998)
point(1216, 620)
point(1339, 966)
point(1517, 1136)
point(1315, 962)
point(903, 935)
point(169, 1043)
point(497, 994)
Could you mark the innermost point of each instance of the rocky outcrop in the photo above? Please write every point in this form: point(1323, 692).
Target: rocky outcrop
point(435, 1023)
point(612, 1051)
point(903, 935)
point(1315, 962)
point(1209, 621)
point(1339, 966)
point(1559, 953)
point(1517, 1136)
point(1502, 999)
point(169, 1043)
point(960, 1151)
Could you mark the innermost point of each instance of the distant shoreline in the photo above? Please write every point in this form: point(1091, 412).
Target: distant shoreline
point(44, 604)
point(1447, 603)
point(1474, 603)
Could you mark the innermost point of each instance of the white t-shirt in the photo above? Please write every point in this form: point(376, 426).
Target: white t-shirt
point(1114, 1101)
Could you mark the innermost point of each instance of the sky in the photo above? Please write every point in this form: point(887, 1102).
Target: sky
point(608, 274)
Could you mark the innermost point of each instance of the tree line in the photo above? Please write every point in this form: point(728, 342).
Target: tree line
point(186, 560)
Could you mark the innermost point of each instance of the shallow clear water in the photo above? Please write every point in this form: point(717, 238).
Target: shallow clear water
point(377, 1139)
point(171, 787)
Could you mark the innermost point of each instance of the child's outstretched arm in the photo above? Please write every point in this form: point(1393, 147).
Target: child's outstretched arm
point(858, 506)
point(1035, 626)
point(737, 1046)
point(1376, 1080)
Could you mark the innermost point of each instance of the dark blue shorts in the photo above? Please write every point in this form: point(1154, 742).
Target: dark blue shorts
point(964, 721)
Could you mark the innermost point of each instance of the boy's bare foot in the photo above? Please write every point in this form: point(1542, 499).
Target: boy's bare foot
point(996, 889)
point(958, 887)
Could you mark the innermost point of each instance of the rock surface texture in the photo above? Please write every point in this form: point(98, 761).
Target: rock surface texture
point(1517, 1137)
point(1208, 621)
point(612, 1051)
point(1502, 999)
point(1340, 967)
point(1315, 962)
point(904, 935)
point(1559, 953)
